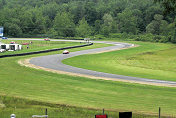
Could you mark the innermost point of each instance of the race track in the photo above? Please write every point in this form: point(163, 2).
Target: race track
point(54, 62)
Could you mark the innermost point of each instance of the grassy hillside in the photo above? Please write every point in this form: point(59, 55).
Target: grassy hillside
point(149, 60)
point(22, 82)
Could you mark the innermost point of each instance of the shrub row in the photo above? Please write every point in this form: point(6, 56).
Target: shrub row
point(143, 37)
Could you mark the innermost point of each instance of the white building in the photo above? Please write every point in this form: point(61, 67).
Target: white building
point(14, 47)
point(9, 47)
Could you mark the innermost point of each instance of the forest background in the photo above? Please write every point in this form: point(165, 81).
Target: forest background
point(141, 20)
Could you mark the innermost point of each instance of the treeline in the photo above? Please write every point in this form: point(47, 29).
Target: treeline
point(83, 18)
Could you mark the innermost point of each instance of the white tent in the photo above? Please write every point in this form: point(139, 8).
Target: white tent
point(13, 47)
point(10, 47)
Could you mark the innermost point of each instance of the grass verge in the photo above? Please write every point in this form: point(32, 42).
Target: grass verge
point(58, 89)
point(24, 108)
point(149, 60)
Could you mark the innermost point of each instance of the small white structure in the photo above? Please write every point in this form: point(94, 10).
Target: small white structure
point(14, 47)
point(12, 116)
point(9, 47)
point(40, 116)
point(87, 40)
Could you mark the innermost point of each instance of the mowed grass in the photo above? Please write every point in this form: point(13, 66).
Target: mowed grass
point(149, 60)
point(32, 84)
point(38, 45)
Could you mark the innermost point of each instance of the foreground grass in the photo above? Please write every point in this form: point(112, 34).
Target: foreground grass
point(22, 82)
point(24, 108)
point(149, 60)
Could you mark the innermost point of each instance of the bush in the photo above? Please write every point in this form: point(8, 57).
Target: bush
point(143, 37)
point(152, 38)
point(123, 36)
point(164, 40)
point(156, 38)
point(146, 37)
point(99, 36)
point(115, 35)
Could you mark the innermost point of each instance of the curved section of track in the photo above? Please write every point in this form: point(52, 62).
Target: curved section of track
point(55, 62)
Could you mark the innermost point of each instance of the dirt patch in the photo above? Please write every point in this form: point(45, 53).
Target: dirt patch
point(115, 49)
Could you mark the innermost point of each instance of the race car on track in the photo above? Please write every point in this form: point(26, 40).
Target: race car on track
point(66, 52)
point(46, 39)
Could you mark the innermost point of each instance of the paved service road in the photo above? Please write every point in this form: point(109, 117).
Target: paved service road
point(54, 62)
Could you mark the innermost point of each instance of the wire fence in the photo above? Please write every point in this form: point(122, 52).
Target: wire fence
point(68, 113)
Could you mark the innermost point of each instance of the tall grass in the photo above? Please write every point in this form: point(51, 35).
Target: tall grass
point(24, 108)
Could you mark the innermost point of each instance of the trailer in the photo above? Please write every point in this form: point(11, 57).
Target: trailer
point(14, 47)
point(10, 47)
point(4, 46)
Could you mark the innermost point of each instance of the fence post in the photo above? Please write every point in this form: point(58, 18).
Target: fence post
point(159, 112)
point(46, 112)
point(103, 111)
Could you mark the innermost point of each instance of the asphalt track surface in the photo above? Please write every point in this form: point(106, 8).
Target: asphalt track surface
point(55, 62)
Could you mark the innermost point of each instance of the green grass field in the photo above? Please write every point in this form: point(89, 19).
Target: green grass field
point(54, 91)
point(24, 108)
point(38, 45)
point(149, 60)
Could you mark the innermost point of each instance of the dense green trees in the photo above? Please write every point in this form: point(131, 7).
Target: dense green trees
point(157, 26)
point(107, 24)
point(63, 25)
point(69, 18)
point(83, 29)
point(170, 8)
point(169, 5)
point(127, 22)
